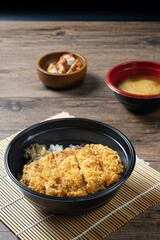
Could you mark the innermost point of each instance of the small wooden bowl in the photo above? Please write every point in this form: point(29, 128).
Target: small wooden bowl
point(56, 80)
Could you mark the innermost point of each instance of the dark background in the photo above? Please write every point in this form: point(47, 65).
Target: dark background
point(79, 10)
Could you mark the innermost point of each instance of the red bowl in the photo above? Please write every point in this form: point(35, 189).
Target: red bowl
point(124, 70)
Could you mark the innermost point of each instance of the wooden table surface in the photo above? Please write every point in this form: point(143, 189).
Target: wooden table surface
point(25, 101)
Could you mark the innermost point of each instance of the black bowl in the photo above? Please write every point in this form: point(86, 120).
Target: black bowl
point(134, 102)
point(68, 131)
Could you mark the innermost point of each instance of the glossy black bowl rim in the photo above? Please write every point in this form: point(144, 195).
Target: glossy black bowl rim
point(70, 199)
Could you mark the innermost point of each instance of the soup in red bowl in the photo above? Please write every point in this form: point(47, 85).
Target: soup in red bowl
point(136, 84)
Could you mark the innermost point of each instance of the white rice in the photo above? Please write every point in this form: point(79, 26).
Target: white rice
point(71, 146)
point(54, 148)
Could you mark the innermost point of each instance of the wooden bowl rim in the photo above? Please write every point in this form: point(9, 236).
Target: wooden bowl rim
point(64, 74)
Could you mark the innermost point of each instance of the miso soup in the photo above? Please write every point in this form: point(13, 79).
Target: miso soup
point(140, 85)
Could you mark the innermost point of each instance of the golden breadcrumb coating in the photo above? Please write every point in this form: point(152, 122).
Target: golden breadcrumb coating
point(83, 170)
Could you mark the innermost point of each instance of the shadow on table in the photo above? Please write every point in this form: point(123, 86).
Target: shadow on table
point(90, 84)
point(148, 118)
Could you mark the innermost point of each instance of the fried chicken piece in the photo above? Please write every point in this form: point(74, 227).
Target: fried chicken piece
point(62, 66)
point(52, 68)
point(69, 58)
point(66, 64)
point(79, 65)
point(75, 66)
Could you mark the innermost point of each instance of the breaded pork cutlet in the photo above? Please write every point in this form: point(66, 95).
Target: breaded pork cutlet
point(90, 168)
point(110, 163)
point(71, 177)
point(83, 170)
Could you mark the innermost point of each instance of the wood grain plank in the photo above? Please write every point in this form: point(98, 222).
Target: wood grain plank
point(104, 45)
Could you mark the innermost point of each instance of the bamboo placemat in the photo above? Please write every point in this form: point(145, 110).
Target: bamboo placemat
point(139, 192)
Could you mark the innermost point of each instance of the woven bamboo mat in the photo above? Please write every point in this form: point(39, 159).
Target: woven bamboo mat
point(139, 192)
